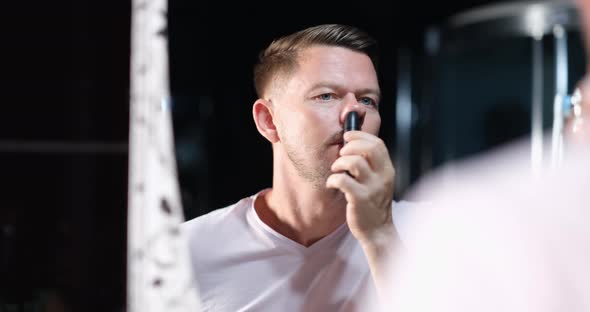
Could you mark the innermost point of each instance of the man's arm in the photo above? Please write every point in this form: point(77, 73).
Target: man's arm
point(380, 251)
point(368, 188)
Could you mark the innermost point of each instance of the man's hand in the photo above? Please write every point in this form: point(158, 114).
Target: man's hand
point(577, 126)
point(368, 188)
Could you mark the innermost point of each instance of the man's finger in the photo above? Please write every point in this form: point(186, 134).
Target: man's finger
point(374, 151)
point(344, 183)
point(355, 165)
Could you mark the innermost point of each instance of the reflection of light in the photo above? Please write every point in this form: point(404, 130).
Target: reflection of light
point(165, 104)
point(535, 20)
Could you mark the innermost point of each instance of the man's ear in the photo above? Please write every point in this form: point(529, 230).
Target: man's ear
point(264, 120)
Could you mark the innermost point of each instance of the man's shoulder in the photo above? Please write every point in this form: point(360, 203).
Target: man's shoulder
point(225, 227)
point(212, 220)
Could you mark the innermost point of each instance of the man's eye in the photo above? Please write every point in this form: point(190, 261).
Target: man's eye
point(325, 96)
point(368, 101)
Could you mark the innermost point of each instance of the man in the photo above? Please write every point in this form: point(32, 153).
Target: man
point(317, 240)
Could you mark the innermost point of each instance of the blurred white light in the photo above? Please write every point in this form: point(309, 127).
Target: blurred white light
point(535, 20)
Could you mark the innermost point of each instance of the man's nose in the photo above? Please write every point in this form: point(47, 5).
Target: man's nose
point(351, 104)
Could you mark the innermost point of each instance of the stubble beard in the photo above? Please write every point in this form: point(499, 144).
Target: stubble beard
point(314, 169)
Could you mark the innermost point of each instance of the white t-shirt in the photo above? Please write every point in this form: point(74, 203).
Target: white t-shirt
point(241, 264)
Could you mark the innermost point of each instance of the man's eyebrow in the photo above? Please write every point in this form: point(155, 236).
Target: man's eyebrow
point(375, 92)
point(324, 85)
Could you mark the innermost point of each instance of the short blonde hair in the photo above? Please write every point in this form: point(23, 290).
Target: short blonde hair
point(280, 57)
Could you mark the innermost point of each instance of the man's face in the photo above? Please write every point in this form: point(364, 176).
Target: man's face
point(310, 107)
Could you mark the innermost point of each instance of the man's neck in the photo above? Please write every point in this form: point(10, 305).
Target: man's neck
point(301, 211)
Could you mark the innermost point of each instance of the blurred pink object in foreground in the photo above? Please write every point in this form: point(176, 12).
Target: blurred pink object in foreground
point(496, 238)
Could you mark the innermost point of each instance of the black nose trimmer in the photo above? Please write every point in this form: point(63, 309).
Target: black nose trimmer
point(352, 122)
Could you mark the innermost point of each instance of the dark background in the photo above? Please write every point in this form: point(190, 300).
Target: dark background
point(64, 126)
point(221, 156)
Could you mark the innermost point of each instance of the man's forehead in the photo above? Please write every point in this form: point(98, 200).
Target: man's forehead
point(336, 66)
point(327, 66)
